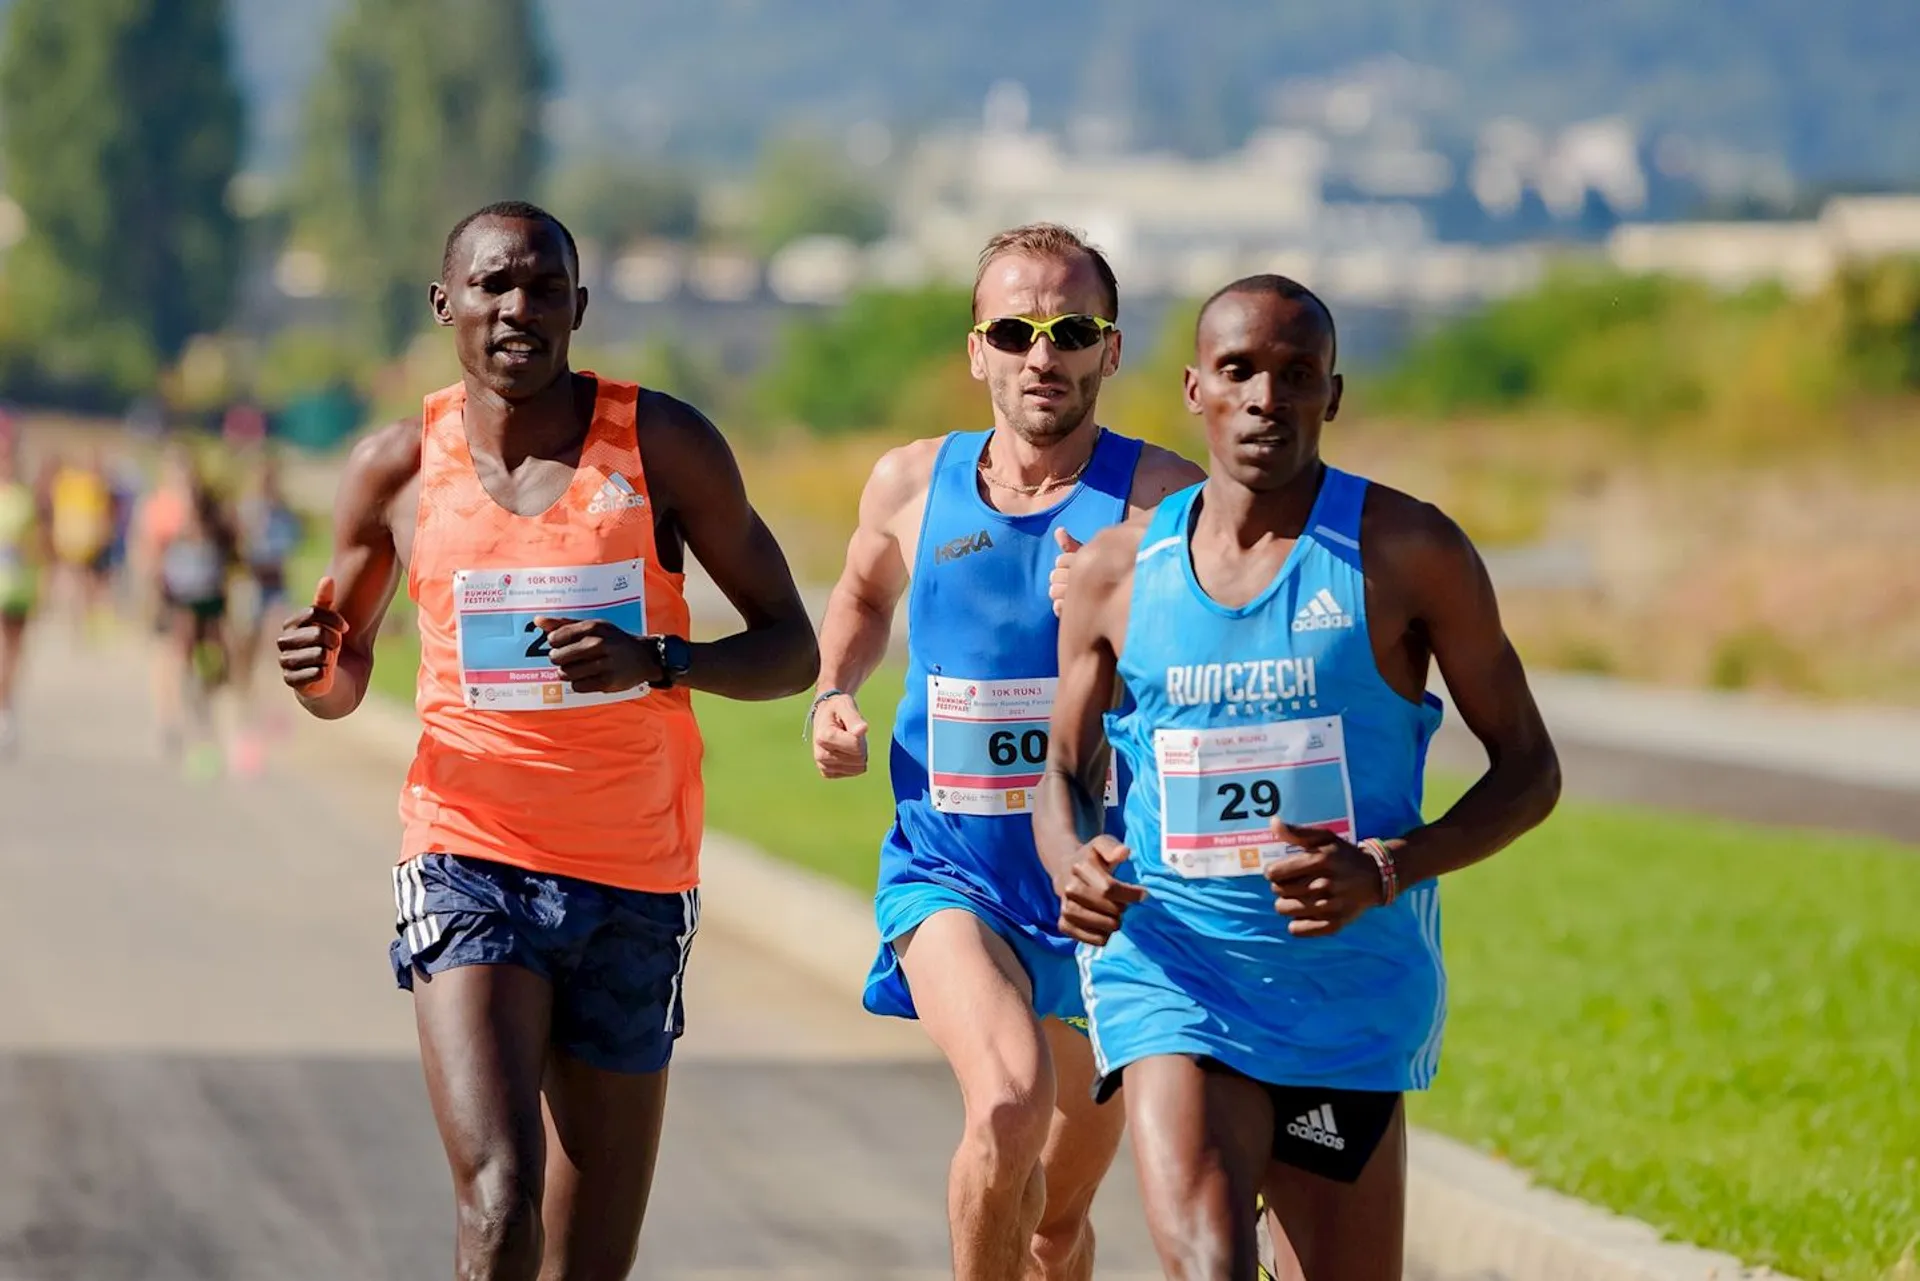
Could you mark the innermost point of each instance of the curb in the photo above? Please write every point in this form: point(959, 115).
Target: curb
point(1469, 1216)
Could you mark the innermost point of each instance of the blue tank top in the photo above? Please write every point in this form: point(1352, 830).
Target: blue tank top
point(969, 741)
point(1275, 708)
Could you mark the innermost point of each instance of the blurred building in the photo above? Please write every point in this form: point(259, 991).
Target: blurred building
point(1801, 255)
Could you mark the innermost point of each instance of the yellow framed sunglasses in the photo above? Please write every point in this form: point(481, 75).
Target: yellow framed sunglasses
point(1018, 334)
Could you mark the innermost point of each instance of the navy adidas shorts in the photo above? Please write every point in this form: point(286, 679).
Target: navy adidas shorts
point(616, 958)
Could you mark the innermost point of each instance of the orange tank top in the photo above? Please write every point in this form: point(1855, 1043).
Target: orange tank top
point(511, 766)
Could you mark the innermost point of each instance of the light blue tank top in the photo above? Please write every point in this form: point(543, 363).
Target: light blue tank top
point(1236, 716)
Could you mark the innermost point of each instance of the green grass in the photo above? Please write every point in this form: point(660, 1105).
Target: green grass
point(396, 655)
point(761, 784)
point(1709, 1026)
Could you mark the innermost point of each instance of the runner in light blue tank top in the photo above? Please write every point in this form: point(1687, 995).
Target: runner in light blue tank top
point(1261, 957)
point(1273, 709)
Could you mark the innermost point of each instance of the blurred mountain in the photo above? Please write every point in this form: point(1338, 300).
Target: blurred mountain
point(1831, 92)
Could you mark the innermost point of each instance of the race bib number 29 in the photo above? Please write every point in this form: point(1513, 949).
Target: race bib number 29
point(987, 744)
point(1221, 789)
point(504, 665)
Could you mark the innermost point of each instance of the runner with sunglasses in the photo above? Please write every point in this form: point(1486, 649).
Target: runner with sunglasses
point(978, 531)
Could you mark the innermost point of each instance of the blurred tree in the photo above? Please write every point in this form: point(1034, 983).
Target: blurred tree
point(611, 202)
point(122, 128)
point(804, 187)
point(1879, 305)
point(303, 360)
point(424, 111)
point(1145, 398)
point(851, 368)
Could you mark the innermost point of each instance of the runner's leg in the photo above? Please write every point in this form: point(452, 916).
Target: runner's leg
point(603, 1135)
point(975, 1001)
point(13, 635)
point(1081, 1143)
point(1202, 1140)
point(484, 1031)
point(1344, 1229)
point(172, 666)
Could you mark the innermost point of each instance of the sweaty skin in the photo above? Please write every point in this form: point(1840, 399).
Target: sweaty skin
point(1043, 404)
point(1263, 383)
point(560, 1190)
point(1033, 1148)
point(526, 436)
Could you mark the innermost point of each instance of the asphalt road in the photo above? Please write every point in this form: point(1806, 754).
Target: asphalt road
point(205, 1072)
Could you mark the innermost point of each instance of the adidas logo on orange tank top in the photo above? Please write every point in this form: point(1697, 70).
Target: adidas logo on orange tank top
point(617, 495)
point(509, 766)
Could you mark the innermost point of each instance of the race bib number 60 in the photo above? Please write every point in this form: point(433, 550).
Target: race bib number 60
point(987, 744)
point(1220, 789)
point(503, 653)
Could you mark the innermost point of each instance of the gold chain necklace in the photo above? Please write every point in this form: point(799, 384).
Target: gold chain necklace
point(1028, 491)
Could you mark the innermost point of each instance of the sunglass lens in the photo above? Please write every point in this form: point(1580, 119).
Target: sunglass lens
point(1076, 333)
point(1009, 334)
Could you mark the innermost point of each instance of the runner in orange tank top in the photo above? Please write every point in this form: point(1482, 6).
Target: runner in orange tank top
point(547, 893)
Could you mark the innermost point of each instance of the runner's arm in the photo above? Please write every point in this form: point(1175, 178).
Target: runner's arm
point(1071, 808)
point(859, 617)
point(365, 563)
point(143, 553)
point(1435, 563)
point(689, 460)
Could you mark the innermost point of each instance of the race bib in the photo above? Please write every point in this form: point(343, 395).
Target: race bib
point(1220, 788)
point(503, 653)
point(987, 744)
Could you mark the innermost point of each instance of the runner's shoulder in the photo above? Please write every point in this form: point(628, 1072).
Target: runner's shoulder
point(683, 451)
point(387, 455)
point(1412, 539)
point(659, 416)
point(1160, 472)
point(900, 477)
point(382, 464)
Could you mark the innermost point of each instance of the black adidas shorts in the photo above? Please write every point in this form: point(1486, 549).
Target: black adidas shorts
point(1332, 1133)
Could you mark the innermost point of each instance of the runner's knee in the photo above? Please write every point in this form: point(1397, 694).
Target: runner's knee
point(1191, 1218)
point(500, 1209)
point(1007, 1124)
point(1195, 1244)
point(610, 1262)
point(1061, 1238)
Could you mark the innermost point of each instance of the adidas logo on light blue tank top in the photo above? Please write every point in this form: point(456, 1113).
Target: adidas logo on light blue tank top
point(1237, 716)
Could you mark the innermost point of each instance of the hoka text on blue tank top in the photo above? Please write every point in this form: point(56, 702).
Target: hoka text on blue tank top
point(970, 740)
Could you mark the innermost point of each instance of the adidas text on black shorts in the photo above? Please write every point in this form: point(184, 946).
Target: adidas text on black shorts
point(1332, 1133)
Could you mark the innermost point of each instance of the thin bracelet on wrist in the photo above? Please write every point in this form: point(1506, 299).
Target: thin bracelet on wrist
point(1389, 871)
point(806, 730)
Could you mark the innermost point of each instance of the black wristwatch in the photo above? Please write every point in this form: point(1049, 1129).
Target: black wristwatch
point(674, 655)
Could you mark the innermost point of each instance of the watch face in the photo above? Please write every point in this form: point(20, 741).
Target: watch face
point(676, 655)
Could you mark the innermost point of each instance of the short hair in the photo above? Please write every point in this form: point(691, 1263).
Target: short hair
point(518, 210)
point(1279, 287)
point(1048, 240)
